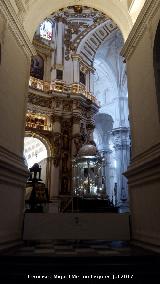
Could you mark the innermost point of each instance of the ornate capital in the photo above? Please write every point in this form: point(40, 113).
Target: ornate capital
point(121, 138)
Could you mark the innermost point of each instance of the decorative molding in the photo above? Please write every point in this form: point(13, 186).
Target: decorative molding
point(21, 8)
point(94, 40)
point(40, 100)
point(145, 167)
point(121, 138)
point(149, 9)
point(12, 168)
point(17, 28)
point(78, 57)
point(43, 48)
point(38, 109)
point(43, 136)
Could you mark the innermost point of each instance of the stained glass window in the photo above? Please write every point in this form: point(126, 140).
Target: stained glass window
point(46, 30)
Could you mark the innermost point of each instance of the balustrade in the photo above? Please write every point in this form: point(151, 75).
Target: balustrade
point(61, 87)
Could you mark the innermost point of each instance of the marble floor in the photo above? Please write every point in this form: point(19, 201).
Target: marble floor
point(90, 261)
point(78, 248)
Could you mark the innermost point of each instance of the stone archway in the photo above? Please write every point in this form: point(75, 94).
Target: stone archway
point(118, 12)
point(46, 162)
point(43, 139)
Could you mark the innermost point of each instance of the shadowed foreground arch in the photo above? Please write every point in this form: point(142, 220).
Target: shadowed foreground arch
point(116, 11)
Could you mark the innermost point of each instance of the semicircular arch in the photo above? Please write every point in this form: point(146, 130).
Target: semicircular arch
point(117, 11)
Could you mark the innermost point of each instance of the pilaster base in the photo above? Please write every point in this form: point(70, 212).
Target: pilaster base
point(13, 177)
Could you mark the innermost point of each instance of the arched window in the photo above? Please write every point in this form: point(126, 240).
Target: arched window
point(37, 67)
point(156, 63)
point(46, 30)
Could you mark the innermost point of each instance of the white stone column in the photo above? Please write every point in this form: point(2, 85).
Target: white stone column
point(122, 150)
point(59, 41)
point(88, 81)
point(91, 82)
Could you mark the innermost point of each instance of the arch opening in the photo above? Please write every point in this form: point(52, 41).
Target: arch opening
point(34, 151)
point(85, 46)
point(116, 11)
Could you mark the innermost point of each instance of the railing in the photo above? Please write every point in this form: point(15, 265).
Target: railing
point(61, 87)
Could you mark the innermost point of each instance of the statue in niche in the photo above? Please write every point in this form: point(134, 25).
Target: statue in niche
point(57, 150)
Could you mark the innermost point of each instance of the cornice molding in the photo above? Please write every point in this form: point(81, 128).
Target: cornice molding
point(145, 167)
point(149, 9)
point(17, 28)
point(43, 48)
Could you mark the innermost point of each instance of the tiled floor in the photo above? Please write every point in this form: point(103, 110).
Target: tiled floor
point(78, 248)
point(76, 260)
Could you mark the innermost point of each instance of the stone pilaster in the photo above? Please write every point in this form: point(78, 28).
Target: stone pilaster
point(55, 163)
point(122, 152)
point(107, 172)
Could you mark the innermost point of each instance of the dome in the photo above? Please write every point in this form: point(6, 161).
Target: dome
point(88, 150)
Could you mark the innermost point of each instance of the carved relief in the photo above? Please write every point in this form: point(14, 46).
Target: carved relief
point(56, 149)
point(76, 119)
point(121, 139)
point(38, 100)
point(67, 106)
point(83, 133)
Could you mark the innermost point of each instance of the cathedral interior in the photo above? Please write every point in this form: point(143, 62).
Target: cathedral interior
point(80, 135)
